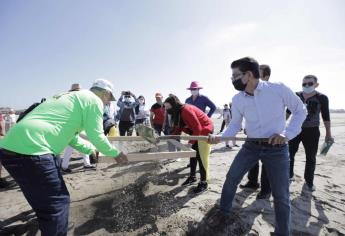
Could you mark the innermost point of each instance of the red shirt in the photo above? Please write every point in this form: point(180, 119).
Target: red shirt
point(158, 111)
point(195, 121)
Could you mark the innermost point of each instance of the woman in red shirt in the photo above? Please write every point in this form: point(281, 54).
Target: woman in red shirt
point(193, 121)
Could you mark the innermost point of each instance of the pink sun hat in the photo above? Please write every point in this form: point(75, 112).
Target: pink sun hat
point(194, 85)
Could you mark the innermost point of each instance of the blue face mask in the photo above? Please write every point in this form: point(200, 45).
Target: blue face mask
point(309, 89)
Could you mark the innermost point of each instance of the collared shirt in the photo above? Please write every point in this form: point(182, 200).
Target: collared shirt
point(264, 113)
point(202, 102)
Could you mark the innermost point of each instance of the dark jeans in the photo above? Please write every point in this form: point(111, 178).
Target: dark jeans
point(253, 176)
point(126, 127)
point(138, 122)
point(158, 128)
point(310, 140)
point(222, 127)
point(194, 162)
point(41, 182)
point(276, 161)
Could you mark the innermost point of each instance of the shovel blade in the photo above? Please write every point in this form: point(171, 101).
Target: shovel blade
point(148, 133)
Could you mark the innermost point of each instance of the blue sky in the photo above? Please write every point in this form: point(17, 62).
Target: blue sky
point(150, 46)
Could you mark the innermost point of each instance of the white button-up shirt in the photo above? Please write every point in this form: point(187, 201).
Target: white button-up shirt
point(265, 112)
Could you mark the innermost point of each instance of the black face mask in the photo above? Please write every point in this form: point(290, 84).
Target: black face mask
point(170, 111)
point(239, 85)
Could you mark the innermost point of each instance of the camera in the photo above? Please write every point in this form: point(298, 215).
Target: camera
point(126, 93)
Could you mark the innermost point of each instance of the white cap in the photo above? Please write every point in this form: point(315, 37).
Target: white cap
point(106, 85)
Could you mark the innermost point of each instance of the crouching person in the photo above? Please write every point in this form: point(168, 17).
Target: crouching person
point(192, 120)
point(29, 151)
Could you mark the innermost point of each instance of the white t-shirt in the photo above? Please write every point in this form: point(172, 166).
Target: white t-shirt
point(226, 115)
point(142, 113)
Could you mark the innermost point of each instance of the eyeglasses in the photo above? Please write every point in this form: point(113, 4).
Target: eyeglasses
point(234, 76)
point(308, 83)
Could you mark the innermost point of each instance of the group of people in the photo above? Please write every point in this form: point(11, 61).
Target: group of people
point(29, 150)
point(262, 105)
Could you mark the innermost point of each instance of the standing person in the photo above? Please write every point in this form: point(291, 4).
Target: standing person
point(265, 72)
point(192, 120)
point(10, 120)
point(226, 114)
point(157, 116)
point(198, 100)
point(68, 150)
point(3, 182)
point(263, 106)
point(316, 103)
point(2, 124)
point(141, 114)
point(44, 133)
point(253, 173)
point(127, 112)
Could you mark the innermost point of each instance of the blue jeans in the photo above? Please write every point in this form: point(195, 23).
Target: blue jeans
point(276, 161)
point(40, 180)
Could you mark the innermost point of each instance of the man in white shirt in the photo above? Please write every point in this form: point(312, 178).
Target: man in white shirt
point(262, 105)
point(253, 173)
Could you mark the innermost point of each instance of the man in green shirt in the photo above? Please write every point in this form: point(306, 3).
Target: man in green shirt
point(29, 150)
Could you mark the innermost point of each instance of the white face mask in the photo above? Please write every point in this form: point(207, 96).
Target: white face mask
point(194, 92)
point(309, 89)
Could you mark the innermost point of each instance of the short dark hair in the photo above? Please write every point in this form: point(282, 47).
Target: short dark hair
point(247, 64)
point(266, 70)
point(311, 77)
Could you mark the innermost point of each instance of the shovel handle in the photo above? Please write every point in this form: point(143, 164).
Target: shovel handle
point(205, 138)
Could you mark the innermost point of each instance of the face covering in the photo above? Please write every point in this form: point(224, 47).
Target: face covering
point(194, 92)
point(308, 89)
point(170, 111)
point(239, 85)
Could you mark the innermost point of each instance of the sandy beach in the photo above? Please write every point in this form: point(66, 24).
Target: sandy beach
point(147, 198)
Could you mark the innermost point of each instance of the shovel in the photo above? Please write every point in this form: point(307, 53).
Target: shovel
point(151, 136)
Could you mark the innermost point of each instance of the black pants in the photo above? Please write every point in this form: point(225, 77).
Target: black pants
point(126, 127)
point(310, 140)
point(158, 128)
point(222, 127)
point(253, 175)
point(194, 161)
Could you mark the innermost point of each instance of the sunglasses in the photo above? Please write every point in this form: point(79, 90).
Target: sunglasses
point(308, 83)
point(234, 76)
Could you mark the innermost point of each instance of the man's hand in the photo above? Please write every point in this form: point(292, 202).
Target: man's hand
point(121, 158)
point(276, 139)
point(94, 157)
point(213, 139)
point(329, 138)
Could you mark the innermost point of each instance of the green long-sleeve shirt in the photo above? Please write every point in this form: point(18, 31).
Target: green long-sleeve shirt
point(56, 123)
